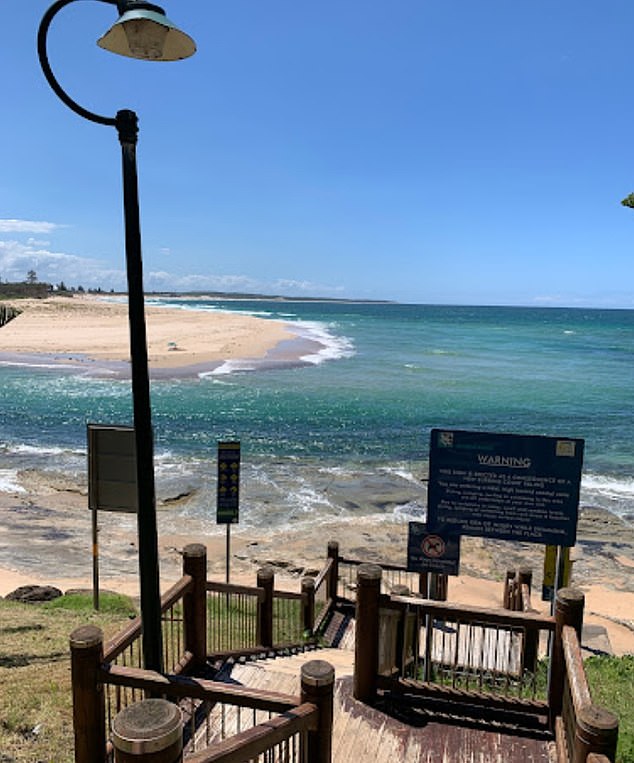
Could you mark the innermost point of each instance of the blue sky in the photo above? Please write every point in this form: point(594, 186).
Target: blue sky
point(430, 152)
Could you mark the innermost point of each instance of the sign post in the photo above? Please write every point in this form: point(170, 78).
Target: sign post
point(433, 552)
point(112, 481)
point(228, 493)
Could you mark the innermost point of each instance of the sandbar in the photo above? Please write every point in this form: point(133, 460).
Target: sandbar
point(89, 331)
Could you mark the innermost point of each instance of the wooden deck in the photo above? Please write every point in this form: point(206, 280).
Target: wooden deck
point(362, 733)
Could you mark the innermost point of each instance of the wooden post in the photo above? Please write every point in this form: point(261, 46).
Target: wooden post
point(89, 708)
point(596, 731)
point(531, 634)
point(569, 604)
point(422, 584)
point(308, 605)
point(366, 649)
point(509, 581)
point(266, 580)
point(317, 687)
point(148, 732)
point(195, 603)
point(333, 579)
point(401, 590)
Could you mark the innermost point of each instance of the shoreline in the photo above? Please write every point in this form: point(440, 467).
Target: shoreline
point(91, 335)
point(45, 539)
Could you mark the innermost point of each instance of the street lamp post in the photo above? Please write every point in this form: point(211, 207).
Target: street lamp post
point(142, 31)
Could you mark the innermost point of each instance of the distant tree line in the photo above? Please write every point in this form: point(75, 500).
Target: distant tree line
point(35, 289)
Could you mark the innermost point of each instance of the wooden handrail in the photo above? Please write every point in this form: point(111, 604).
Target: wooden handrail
point(122, 640)
point(237, 589)
point(293, 595)
point(322, 577)
point(451, 612)
point(197, 688)
point(248, 744)
point(577, 681)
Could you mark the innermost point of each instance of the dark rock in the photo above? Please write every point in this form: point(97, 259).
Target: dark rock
point(34, 593)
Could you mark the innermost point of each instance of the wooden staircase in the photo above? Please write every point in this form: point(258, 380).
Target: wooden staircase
point(363, 733)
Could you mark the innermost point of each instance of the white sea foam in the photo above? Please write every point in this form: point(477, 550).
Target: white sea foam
point(43, 450)
point(401, 472)
point(9, 482)
point(33, 364)
point(229, 367)
point(614, 495)
point(332, 346)
point(609, 486)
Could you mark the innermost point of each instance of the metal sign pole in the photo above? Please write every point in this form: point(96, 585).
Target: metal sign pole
point(228, 561)
point(95, 560)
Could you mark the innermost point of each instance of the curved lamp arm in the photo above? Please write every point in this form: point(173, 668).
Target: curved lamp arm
point(48, 72)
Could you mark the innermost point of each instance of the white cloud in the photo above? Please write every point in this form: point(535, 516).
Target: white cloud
point(26, 226)
point(16, 259)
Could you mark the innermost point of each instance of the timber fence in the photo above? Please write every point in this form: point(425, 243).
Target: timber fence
point(492, 666)
point(203, 621)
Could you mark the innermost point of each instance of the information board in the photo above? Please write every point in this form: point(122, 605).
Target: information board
point(228, 499)
point(112, 480)
point(432, 551)
point(505, 486)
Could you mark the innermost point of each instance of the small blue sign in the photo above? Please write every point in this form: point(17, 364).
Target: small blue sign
point(434, 550)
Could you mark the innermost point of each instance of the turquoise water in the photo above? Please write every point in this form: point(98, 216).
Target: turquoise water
point(348, 430)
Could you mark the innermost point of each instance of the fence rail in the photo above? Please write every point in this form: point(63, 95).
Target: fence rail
point(199, 618)
point(413, 649)
point(467, 648)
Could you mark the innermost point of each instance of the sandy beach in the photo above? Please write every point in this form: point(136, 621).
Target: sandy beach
point(45, 527)
point(94, 332)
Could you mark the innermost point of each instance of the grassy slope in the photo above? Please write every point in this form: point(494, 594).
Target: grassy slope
point(35, 697)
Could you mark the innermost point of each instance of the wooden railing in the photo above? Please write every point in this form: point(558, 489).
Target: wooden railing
point(582, 729)
point(492, 666)
point(222, 722)
point(202, 619)
point(394, 576)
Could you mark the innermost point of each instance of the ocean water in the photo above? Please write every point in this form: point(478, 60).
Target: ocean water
point(346, 431)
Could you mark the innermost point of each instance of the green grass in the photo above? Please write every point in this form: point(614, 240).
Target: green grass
point(35, 690)
point(611, 681)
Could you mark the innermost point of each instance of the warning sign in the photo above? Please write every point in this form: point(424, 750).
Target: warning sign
point(432, 551)
point(505, 486)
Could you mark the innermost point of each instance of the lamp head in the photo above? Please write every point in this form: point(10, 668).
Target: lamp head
point(144, 31)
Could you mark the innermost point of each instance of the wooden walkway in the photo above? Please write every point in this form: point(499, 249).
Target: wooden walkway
point(362, 733)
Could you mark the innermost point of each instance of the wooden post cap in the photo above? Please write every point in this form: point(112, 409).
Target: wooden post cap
point(194, 549)
point(571, 598)
point(368, 573)
point(266, 573)
point(333, 545)
point(86, 637)
point(597, 722)
point(317, 673)
point(147, 727)
point(308, 582)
